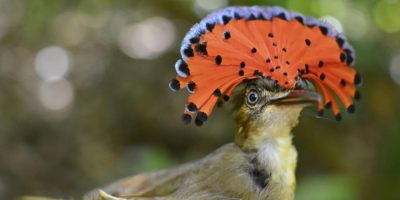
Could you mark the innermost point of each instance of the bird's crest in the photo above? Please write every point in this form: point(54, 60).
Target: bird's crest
point(237, 44)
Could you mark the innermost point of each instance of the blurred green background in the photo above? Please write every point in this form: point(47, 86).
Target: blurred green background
point(84, 97)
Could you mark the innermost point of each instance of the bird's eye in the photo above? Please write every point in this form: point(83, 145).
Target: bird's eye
point(252, 97)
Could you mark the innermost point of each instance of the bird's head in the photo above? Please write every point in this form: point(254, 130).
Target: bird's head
point(275, 49)
point(264, 105)
point(265, 102)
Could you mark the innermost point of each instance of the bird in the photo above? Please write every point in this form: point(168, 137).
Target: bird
point(280, 62)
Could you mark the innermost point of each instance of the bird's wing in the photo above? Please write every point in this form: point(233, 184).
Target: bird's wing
point(142, 185)
point(105, 196)
point(166, 182)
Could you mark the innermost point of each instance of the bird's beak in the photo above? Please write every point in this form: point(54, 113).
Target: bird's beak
point(296, 97)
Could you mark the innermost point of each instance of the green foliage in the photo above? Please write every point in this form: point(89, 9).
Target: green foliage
point(329, 187)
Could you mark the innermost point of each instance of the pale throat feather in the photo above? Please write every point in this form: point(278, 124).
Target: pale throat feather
point(269, 136)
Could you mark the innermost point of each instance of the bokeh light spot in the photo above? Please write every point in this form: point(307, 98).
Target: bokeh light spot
point(148, 39)
point(56, 94)
point(52, 63)
point(335, 8)
point(387, 15)
point(3, 25)
point(394, 69)
point(356, 24)
point(203, 7)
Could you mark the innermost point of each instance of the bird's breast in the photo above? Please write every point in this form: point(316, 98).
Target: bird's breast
point(279, 157)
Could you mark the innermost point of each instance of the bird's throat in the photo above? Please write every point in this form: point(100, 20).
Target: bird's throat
point(269, 128)
point(269, 138)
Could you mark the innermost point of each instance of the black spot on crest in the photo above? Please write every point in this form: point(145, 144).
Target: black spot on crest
point(340, 42)
point(202, 116)
point(328, 105)
point(198, 122)
point(256, 72)
point(252, 17)
point(225, 97)
point(226, 19)
point(191, 86)
point(350, 58)
point(191, 107)
point(282, 16)
point(202, 49)
point(357, 80)
point(217, 92)
point(218, 60)
point(186, 118)
point(322, 77)
point(194, 40)
point(351, 108)
point(188, 51)
point(210, 26)
point(321, 64)
point(343, 57)
point(227, 35)
point(236, 16)
point(343, 82)
point(271, 35)
point(323, 30)
point(260, 17)
point(174, 85)
point(299, 19)
point(308, 42)
point(242, 64)
point(184, 68)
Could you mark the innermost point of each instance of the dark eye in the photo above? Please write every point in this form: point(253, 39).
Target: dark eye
point(252, 97)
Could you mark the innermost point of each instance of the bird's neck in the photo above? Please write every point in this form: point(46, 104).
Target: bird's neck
point(270, 140)
point(252, 135)
point(272, 145)
point(254, 138)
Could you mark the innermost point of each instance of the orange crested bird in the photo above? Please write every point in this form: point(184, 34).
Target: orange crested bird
point(285, 61)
